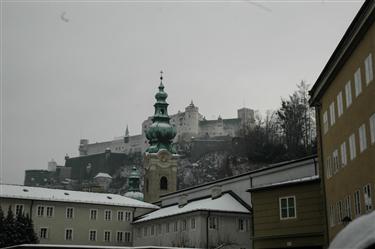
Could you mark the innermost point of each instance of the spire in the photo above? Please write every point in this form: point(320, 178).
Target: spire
point(126, 137)
point(127, 131)
point(161, 133)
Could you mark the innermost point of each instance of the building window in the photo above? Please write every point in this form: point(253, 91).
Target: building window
point(175, 226)
point(69, 213)
point(68, 234)
point(127, 237)
point(183, 225)
point(120, 236)
point(145, 231)
point(357, 203)
point(335, 157)
point(92, 235)
point(287, 207)
point(120, 215)
point(164, 183)
point(167, 228)
point(212, 222)
point(192, 223)
point(40, 210)
point(343, 154)
point(19, 209)
point(128, 216)
point(93, 214)
point(353, 152)
point(43, 233)
point(348, 208)
point(348, 94)
point(372, 128)
point(340, 109)
point(158, 229)
point(107, 215)
point(368, 69)
point(152, 230)
point(107, 236)
point(339, 211)
point(362, 138)
point(325, 122)
point(329, 167)
point(241, 224)
point(357, 82)
point(49, 211)
point(332, 215)
point(367, 197)
point(332, 113)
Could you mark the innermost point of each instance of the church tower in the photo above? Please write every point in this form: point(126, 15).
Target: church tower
point(160, 162)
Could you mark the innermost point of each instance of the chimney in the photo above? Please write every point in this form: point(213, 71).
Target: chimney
point(182, 200)
point(215, 192)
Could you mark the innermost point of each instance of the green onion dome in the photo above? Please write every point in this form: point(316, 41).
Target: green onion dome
point(161, 133)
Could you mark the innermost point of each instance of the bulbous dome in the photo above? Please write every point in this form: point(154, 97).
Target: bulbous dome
point(160, 134)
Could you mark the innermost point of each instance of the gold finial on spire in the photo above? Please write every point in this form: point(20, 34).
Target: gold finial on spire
point(161, 74)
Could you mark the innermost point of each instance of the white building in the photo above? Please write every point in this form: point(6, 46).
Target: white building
point(75, 217)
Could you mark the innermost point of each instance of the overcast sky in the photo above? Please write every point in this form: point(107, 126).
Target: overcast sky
point(73, 70)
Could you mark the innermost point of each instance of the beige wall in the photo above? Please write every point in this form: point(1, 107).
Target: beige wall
point(270, 231)
point(361, 170)
point(81, 223)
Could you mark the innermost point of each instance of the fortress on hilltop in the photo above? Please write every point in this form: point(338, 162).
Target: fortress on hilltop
point(189, 125)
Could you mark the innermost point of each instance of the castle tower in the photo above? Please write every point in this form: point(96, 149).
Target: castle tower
point(160, 162)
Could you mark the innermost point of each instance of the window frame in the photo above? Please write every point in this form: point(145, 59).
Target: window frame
point(42, 207)
point(352, 147)
point(105, 215)
point(46, 234)
point(16, 207)
point(66, 233)
point(348, 94)
point(91, 212)
point(287, 208)
point(362, 138)
point(372, 128)
point(67, 212)
point(357, 82)
point(340, 107)
point(369, 73)
point(53, 211)
point(367, 191)
point(357, 203)
point(110, 236)
point(96, 234)
point(332, 113)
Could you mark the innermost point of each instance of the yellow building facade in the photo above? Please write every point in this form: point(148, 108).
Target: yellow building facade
point(344, 98)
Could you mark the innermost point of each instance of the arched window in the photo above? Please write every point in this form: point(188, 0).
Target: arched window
point(164, 183)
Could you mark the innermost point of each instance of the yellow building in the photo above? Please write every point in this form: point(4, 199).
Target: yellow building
point(344, 98)
point(75, 217)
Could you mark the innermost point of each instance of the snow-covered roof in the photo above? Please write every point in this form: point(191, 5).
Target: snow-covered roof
point(287, 182)
point(103, 175)
point(224, 203)
point(46, 194)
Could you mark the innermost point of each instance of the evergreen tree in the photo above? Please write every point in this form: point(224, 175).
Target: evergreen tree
point(9, 228)
point(2, 228)
point(30, 235)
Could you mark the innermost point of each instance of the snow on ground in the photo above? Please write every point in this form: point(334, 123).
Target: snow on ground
point(359, 234)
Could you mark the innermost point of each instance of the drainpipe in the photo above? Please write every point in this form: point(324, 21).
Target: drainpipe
point(132, 227)
point(326, 236)
point(252, 216)
point(207, 240)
